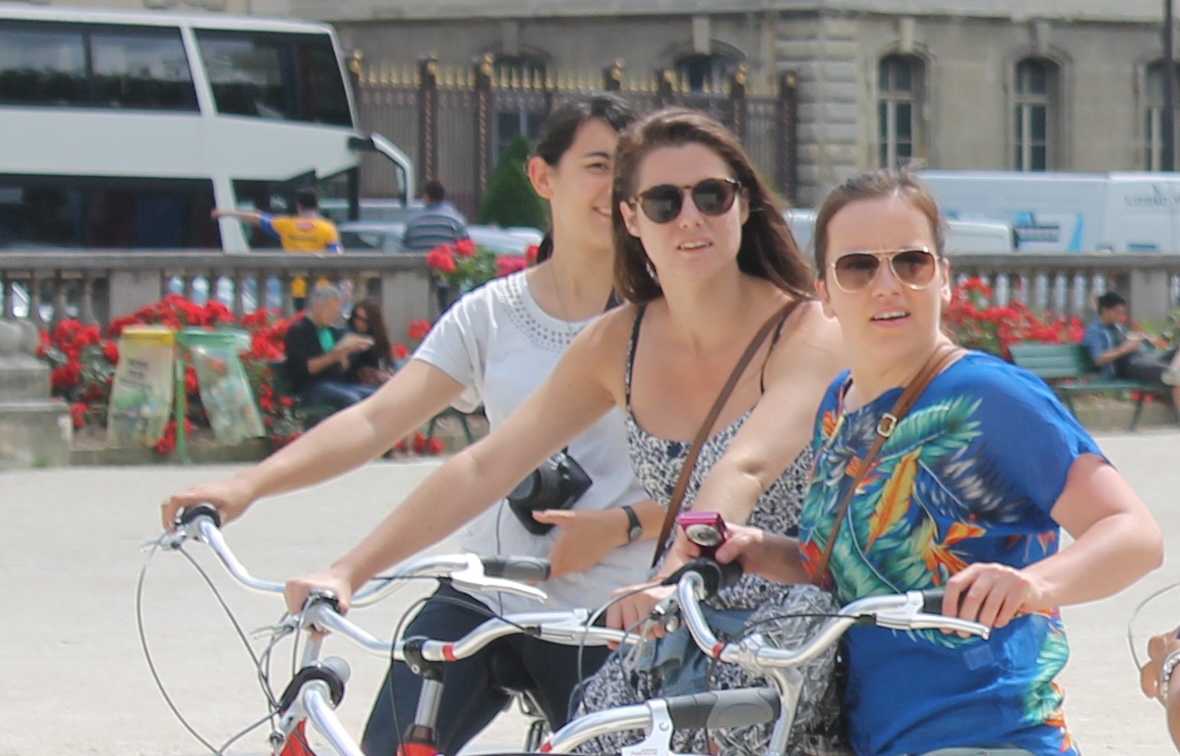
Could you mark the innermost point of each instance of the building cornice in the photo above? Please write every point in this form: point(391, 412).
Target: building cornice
point(1126, 11)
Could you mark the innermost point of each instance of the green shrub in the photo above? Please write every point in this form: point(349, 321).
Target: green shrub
point(510, 199)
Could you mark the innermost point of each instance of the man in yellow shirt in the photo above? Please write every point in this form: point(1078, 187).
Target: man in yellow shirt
point(306, 231)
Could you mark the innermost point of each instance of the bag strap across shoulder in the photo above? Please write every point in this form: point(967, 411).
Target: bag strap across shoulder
point(694, 451)
point(943, 356)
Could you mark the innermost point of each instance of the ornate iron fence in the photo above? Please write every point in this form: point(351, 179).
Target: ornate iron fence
point(456, 119)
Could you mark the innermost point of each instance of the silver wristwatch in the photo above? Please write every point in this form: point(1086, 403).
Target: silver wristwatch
point(1166, 672)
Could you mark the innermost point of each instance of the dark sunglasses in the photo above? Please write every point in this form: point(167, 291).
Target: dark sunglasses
point(914, 268)
point(663, 203)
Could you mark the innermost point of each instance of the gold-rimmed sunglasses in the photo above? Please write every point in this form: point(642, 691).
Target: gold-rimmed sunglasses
point(914, 268)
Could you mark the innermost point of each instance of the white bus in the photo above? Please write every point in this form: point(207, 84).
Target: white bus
point(123, 129)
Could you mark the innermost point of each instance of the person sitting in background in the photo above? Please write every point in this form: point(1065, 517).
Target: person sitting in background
point(435, 224)
point(372, 366)
point(1118, 354)
point(319, 354)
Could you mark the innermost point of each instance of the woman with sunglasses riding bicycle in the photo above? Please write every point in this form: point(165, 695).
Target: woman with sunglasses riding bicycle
point(968, 490)
point(494, 347)
point(705, 259)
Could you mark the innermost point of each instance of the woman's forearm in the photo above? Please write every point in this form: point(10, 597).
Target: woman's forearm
point(1113, 553)
point(786, 566)
point(350, 438)
point(451, 496)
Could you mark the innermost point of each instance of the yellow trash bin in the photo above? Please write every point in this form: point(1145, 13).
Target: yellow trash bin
point(141, 393)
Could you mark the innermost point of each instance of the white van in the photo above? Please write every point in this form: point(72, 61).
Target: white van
point(1068, 212)
point(983, 237)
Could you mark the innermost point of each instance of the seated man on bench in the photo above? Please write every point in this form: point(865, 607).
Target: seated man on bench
point(1118, 354)
point(318, 353)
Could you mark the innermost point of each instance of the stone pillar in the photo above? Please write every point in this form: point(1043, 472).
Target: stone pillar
point(35, 430)
point(823, 53)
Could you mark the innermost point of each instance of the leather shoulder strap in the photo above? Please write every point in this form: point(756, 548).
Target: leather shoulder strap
point(943, 356)
point(694, 451)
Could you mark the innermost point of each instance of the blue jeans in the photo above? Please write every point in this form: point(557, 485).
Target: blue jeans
point(471, 697)
point(339, 394)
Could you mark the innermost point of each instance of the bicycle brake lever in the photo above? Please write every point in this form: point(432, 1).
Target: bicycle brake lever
point(659, 739)
point(473, 577)
point(909, 616)
point(286, 626)
point(924, 621)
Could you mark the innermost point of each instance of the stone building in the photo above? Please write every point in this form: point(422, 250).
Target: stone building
point(967, 84)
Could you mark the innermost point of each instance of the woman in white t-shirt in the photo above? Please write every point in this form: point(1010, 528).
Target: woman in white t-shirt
point(495, 346)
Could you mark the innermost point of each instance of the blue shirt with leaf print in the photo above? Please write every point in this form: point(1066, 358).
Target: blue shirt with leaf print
point(969, 475)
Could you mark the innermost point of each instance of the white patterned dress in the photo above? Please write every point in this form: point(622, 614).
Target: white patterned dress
point(657, 463)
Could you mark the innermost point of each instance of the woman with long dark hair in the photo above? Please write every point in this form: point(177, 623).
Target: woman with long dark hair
point(374, 365)
point(705, 260)
point(494, 347)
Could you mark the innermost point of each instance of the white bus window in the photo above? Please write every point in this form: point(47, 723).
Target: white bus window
point(144, 69)
point(290, 77)
point(42, 65)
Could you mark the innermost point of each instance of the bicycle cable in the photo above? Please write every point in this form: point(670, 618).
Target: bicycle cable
point(1135, 613)
point(583, 678)
point(139, 623)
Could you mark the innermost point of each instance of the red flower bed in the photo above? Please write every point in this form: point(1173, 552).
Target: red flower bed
point(975, 323)
point(83, 365)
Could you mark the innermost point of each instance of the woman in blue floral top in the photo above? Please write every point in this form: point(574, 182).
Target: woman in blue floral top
point(969, 493)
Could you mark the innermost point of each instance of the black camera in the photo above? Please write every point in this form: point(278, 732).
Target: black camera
point(557, 484)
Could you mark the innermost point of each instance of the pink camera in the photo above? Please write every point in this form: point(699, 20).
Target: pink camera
point(705, 529)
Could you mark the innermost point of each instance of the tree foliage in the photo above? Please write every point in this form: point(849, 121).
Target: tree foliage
point(510, 199)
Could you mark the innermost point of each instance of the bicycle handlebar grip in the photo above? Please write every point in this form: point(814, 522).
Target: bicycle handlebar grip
point(520, 568)
point(932, 600)
point(715, 575)
point(739, 707)
point(189, 514)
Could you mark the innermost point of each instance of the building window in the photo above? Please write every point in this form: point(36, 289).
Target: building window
point(899, 93)
point(699, 72)
point(1154, 121)
point(1035, 106)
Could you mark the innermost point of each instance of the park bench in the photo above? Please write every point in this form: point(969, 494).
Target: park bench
point(310, 412)
point(1069, 370)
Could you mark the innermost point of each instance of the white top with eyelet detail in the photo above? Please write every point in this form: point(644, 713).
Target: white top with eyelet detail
point(500, 344)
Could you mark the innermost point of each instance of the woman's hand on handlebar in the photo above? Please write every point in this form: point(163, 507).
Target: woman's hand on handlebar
point(991, 594)
point(760, 553)
point(229, 497)
point(299, 588)
point(631, 612)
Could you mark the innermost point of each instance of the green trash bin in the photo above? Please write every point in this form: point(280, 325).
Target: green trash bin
point(224, 388)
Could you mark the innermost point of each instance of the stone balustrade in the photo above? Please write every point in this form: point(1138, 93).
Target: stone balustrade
point(100, 285)
point(104, 284)
point(1067, 284)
